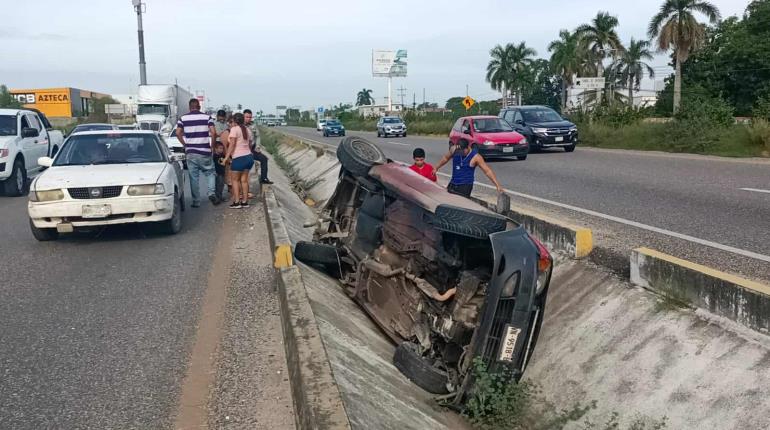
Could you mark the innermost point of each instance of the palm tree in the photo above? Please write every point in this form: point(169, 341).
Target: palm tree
point(499, 70)
point(601, 38)
point(508, 66)
point(675, 27)
point(569, 58)
point(364, 97)
point(630, 66)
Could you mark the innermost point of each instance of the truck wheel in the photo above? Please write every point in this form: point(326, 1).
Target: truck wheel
point(358, 155)
point(418, 370)
point(467, 222)
point(43, 234)
point(16, 184)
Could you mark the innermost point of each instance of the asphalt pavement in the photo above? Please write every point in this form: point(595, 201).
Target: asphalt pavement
point(96, 330)
point(713, 210)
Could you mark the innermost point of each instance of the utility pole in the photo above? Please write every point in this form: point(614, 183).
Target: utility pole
point(423, 98)
point(402, 92)
point(138, 5)
point(414, 101)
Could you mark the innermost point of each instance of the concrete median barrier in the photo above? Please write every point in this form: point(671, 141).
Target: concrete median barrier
point(743, 301)
point(317, 400)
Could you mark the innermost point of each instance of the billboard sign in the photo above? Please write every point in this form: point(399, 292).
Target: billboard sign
point(54, 102)
point(589, 83)
point(389, 63)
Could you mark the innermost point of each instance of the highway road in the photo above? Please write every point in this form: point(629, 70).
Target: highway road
point(714, 207)
point(99, 330)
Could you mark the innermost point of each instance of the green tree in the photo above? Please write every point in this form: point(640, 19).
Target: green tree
point(499, 69)
point(522, 57)
point(364, 97)
point(630, 66)
point(675, 27)
point(602, 39)
point(7, 100)
point(569, 55)
point(543, 86)
point(97, 113)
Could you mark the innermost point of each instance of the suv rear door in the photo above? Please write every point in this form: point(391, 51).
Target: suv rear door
point(28, 145)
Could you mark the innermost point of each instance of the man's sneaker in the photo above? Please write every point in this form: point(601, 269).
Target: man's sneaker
point(266, 181)
point(214, 200)
point(244, 204)
point(235, 205)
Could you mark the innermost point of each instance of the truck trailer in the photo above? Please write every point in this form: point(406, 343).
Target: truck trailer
point(160, 105)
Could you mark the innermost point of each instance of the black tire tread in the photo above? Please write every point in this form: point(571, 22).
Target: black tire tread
point(316, 253)
point(467, 223)
point(353, 162)
point(417, 370)
point(43, 234)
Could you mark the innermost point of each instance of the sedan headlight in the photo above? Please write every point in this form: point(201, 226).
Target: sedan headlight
point(488, 143)
point(539, 130)
point(146, 190)
point(46, 195)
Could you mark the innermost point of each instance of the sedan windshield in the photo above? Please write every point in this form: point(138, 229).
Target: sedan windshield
point(541, 115)
point(82, 150)
point(7, 125)
point(491, 125)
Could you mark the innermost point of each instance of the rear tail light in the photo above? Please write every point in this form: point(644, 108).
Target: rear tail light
point(544, 265)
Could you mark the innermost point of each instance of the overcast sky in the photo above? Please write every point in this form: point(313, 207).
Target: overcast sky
point(296, 52)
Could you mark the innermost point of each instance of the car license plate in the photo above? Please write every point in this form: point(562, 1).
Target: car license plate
point(507, 149)
point(96, 211)
point(558, 139)
point(509, 343)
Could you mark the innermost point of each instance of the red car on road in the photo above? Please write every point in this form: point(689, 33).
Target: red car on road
point(491, 136)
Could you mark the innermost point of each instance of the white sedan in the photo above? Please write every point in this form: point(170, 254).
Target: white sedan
point(107, 177)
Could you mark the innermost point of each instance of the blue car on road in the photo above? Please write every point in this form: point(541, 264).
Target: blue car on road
point(333, 128)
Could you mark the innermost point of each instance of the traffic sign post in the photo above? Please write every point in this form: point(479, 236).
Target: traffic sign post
point(468, 102)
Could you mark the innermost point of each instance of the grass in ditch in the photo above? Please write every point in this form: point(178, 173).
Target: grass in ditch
point(498, 404)
point(271, 142)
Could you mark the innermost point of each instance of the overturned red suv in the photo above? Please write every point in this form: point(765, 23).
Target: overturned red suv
point(448, 280)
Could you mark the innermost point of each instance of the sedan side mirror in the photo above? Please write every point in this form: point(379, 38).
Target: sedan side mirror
point(29, 132)
point(45, 161)
point(519, 122)
point(466, 131)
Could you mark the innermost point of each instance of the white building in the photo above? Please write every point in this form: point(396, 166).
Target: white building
point(379, 110)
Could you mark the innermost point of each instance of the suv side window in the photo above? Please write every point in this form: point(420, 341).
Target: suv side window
point(33, 122)
point(24, 122)
point(518, 117)
point(509, 116)
point(456, 127)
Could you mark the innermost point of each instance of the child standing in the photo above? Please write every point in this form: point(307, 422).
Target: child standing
point(219, 167)
point(420, 166)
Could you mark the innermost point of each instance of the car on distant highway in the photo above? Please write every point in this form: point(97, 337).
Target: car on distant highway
point(333, 128)
point(542, 126)
point(95, 126)
point(391, 126)
point(449, 281)
point(102, 178)
point(490, 136)
point(321, 124)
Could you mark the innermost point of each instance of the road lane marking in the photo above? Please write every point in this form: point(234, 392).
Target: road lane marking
point(756, 190)
point(628, 222)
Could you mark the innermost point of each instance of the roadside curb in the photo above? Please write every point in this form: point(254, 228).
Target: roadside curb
point(556, 234)
point(741, 300)
point(316, 396)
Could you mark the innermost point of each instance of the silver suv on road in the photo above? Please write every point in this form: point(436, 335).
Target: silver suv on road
point(391, 126)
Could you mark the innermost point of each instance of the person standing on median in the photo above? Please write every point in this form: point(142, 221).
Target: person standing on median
point(195, 131)
point(464, 162)
point(241, 162)
point(222, 126)
point(421, 167)
point(256, 150)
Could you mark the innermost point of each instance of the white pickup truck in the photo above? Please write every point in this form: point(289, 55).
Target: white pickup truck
point(25, 136)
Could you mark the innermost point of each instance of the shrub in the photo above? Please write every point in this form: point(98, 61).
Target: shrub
point(762, 108)
point(759, 133)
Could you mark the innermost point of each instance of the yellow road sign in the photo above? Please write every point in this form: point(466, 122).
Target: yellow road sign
point(468, 102)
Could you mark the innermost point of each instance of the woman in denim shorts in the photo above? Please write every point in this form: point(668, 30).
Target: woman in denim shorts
point(241, 162)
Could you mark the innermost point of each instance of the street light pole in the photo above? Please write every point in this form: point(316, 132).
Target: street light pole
point(142, 65)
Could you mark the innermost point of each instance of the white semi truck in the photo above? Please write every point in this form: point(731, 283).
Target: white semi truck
point(160, 105)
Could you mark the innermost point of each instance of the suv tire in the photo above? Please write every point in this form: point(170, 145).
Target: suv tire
point(418, 370)
point(467, 223)
point(358, 155)
point(16, 184)
point(316, 253)
point(570, 148)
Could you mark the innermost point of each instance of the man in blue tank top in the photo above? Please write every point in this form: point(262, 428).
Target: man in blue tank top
point(464, 162)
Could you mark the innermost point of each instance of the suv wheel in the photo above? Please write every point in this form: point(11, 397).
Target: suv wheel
point(358, 155)
point(16, 184)
point(420, 371)
point(570, 148)
point(467, 222)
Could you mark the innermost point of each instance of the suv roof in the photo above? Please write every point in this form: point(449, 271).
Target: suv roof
point(527, 107)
